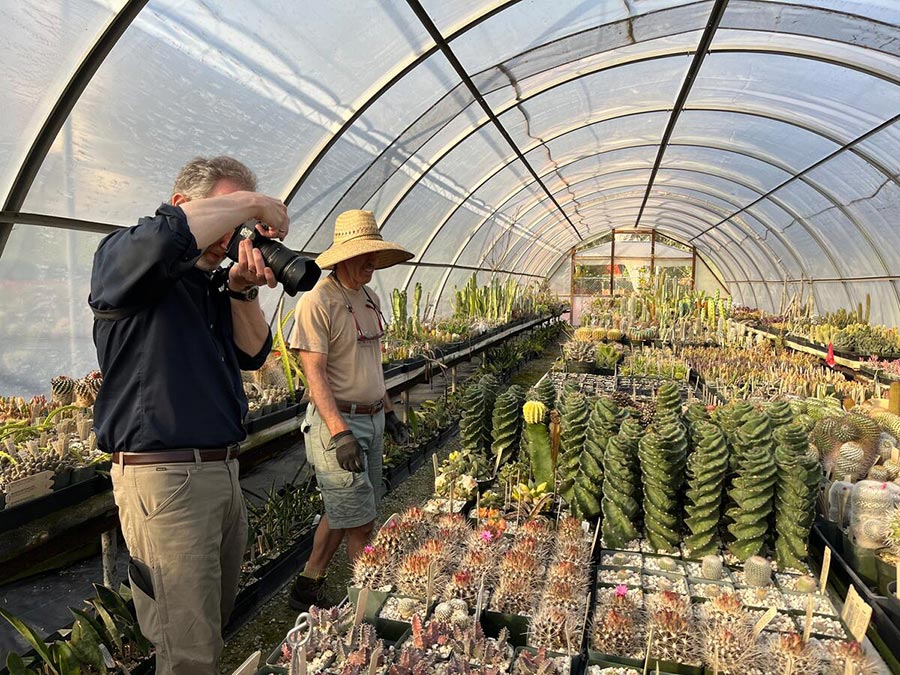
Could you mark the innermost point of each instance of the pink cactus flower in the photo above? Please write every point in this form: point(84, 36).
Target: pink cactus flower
point(621, 590)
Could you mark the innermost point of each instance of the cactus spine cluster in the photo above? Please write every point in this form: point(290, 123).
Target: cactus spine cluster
point(753, 488)
point(663, 455)
point(706, 468)
point(507, 424)
point(796, 492)
point(621, 491)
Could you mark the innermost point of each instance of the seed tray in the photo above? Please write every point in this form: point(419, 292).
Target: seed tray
point(632, 559)
point(606, 595)
point(695, 571)
point(664, 582)
point(754, 596)
point(612, 576)
point(707, 589)
point(656, 563)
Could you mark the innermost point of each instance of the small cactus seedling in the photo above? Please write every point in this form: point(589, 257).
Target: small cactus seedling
point(806, 584)
point(711, 567)
point(757, 571)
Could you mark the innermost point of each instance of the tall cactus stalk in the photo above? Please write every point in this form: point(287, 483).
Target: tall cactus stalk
point(536, 442)
point(416, 313)
point(796, 491)
point(663, 455)
point(507, 424)
point(753, 487)
point(577, 479)
point(706, 468)
point(621, 504)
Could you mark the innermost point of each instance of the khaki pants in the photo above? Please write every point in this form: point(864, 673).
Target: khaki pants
point(186, 529)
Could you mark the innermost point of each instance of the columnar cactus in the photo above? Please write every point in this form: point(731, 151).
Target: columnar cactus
point(706, 469)
point(663, 455)
point(474, 425)
point(796, 491)
point(603, 423)
point(536, 442)
point(668, 399)
point(753, 488)
point(621, 490)
point(507, 424)
point(546, 392)
point(577, 479)
point(694, 414)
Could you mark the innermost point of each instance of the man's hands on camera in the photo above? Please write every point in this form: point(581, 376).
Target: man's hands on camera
point(272, 217)
point(250, 269)
point(349, 452)
point(398, 431)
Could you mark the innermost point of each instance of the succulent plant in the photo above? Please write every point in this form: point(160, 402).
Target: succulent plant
point(674, 634)
point(668, 400)
point(546, 392)
point(536, 443)
point(796, 491)
point(711, 567)
point(622, 490)
point(779, 414)
point(848, 658)
point(578, 480)
point(663, 455)
point(556, 630)
point(62, 390)
point(618, 627)
point(411, 577)
point(706, 469)
point(507, 424)
point(757, 571)
point(788, 652)
point(476, 421)
point(397, 538)
point(870, 504)
point(371, 569)
point(753, 488)
point(537, 663)
point(730, 648)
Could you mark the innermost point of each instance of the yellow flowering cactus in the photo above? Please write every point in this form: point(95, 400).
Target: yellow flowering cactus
point(534, 412)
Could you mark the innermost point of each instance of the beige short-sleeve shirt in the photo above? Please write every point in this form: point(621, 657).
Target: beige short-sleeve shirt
point(325, 325)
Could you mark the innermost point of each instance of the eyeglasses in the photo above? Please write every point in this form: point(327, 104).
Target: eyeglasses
point(361, 335)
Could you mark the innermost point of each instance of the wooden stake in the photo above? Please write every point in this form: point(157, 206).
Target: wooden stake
point(894, 398)
point(647, 652)
point(826, 566)
point(434, 462)
point(807, 626)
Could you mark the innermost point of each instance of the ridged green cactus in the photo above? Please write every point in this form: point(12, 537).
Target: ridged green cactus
point(507, 424)
point(546, 391)
point(753, 488)
point(663, 455)
point(796, 492)
point(603, 423)
point(579, 472)
point(706, 469)
point(621, 490)
point(536, 444)
point(779, 414)
point(668, 399)
point(696, 412)
point(476, 421)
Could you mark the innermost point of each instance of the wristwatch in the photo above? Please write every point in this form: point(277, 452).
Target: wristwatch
point(247, 295)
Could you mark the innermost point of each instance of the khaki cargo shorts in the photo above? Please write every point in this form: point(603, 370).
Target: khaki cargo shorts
point(349, 498)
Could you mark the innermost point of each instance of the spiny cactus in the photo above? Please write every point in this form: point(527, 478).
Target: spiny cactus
point(674, 635)
point(663, 455)
point(779, 414)
point(577, 485)
point(870, 504)
point(507, 424)
point(62, 390)
point(536, 443)
point(753, 488)
point(711, 567)
point(371, 569)
point(556, 630)
point(796, 491)
point(621, 491)
point(706, 468)
point(476, 421)
point(757, 571)
point(788, 652)
point(618, 630)
point(730, 649)
point(411, 577)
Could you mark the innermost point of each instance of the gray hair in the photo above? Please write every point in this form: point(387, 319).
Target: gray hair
point(198, 177)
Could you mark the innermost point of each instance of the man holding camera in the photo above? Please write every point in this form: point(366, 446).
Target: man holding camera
point(173, 332)
point(338, 331)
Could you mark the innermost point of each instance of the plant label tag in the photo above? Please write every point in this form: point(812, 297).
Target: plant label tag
point(895, 454)
point(826, 566)
point(430, 587)
point(250, 666)
point(361, 601)
point(764, 621)
point(28, 488)
point(807, 624)
point(856, 614)
point(434, 463)
point(647, 651)
point(376, 658)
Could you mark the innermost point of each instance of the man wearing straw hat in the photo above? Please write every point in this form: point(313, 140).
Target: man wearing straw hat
point(338, 331)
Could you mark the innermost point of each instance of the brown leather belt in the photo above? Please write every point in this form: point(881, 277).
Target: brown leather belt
point(175, 456)
point(358, 409)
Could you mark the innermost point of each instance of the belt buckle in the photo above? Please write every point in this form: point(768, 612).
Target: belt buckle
point(353, 408)
point(231, 451)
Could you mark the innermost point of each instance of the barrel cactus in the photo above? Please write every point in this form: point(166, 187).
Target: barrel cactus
point(706, 469)
point(796, 491)
point(663, 455)
point(507, 424)
point(753, 487)
point(621, 489)
point(871, 503)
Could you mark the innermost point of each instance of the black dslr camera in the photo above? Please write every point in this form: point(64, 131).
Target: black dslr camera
point(292, 270)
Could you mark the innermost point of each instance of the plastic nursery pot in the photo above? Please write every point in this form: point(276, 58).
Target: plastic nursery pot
point(516, 625)
point(580, 367)
point(62, 478)
point(391, 630)
point(572, 663)
point(887, 573)
point(612, 661)
point(891, 602)
point(83, 473)
point(673, 668)
point(862, 560)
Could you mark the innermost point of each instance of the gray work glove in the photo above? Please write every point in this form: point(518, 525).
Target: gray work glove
point(398, 431)
point(348, 451)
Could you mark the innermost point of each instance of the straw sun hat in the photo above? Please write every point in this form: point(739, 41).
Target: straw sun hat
point(355, 233)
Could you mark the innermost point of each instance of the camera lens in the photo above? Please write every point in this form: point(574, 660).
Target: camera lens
point(293, 271)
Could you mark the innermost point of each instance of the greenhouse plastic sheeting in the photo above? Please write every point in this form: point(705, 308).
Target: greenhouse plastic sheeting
point(490, 135)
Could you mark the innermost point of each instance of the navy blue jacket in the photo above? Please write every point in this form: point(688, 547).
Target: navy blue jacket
point(171, 372)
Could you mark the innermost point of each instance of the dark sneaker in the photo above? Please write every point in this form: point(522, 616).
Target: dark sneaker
point(306, 592)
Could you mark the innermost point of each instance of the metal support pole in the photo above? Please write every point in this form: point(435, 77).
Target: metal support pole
point(109, 545)
point(404, 399)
